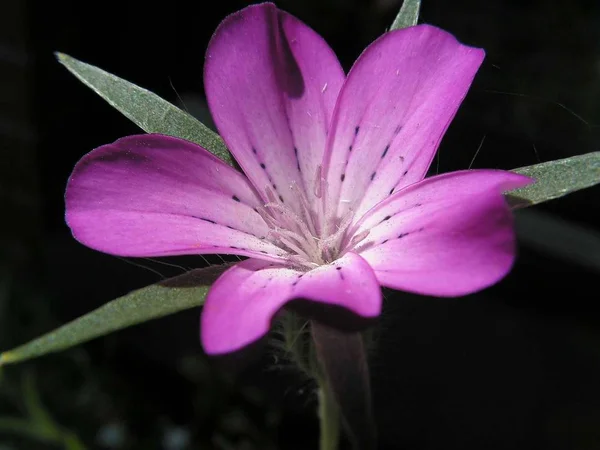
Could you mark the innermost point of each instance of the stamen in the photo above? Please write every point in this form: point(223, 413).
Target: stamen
point(292, 218)
point(319, 182)
point(357, 239)
point(279, 233)
point(301, 262)
point(346, 220)
point(321, 187)
point(308, 214)
point(331, 240)
point(270, 195)
point(280, 238)
point(294, 247)
point(308, 245)
point(342, 227)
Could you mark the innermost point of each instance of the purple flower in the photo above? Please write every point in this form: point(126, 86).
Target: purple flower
point(332, 202)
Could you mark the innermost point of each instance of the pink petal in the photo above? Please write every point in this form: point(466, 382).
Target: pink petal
point(242, 303)
point(271, 84)
point(448, 235)
point(154, 195)
point(393, 110)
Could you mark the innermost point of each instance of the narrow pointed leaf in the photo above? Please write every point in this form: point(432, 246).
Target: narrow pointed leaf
point(34, 407)
point(144, 108)
point(408, 15)
point(167, 297)
point(22, 427)
point(556, 179)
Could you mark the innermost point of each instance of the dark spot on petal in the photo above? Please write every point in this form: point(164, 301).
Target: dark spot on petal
point(234, 247)
point(281, 199)
point(387, 147)
point(338, 268)
point(253, 150)
point(397, 130)
point(297, 160)
point(236, 198)
point(208, 220)
point(418, 204)
point(405, 172)
point(385, 241)
point(262, 165)
point(401, 158)
point(401, 235)
point(392, 190)
point(274, 186)
point(297, 279)
point(373, 175)
point(350, 148)
point(230, 227)
point(356, 130)
point(343, 177)
point(264, 251)
point(386, 218)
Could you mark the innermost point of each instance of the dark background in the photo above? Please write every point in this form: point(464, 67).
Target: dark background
point(514, 367)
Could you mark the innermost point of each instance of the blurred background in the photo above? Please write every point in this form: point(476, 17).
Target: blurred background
point(514, 367)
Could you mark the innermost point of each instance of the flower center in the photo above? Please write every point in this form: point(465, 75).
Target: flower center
point(310, 236)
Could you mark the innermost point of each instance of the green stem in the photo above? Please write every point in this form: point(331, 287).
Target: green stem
point(343, 375)
point(329, 416)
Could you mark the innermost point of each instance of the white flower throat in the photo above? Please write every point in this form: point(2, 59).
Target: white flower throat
point(312, 236)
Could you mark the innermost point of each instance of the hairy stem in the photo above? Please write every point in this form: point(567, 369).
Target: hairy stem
point(329, 417)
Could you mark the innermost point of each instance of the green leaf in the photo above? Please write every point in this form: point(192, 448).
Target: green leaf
point(556, 179)
point(35, 409)
point(408, 15)
point(146, 109)
point(22, 427)
point(167, 297)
